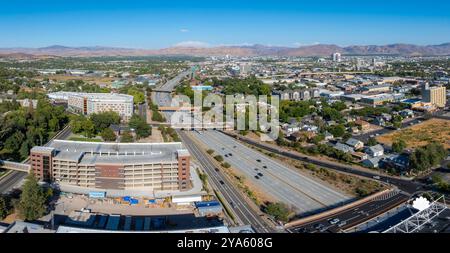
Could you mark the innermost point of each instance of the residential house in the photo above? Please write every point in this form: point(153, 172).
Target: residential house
point(344, 148)
point(375, 151)
point(354, 143)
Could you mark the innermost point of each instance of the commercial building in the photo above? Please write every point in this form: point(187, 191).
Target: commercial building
point(337, 57)
point(380, 99)
point(146, 167)
point(377, 88)
point(434, 95)
point(89, 103)
point(298, 94)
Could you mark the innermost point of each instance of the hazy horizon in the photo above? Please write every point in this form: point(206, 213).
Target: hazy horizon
point(143, 25)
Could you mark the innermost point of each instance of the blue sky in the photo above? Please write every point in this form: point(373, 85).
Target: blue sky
point(159, 24)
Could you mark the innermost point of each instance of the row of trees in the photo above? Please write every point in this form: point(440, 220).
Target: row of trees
point(247, 86)
point(97, 123)
point(23, 128)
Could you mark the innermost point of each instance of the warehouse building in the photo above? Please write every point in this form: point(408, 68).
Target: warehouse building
point(92, 166)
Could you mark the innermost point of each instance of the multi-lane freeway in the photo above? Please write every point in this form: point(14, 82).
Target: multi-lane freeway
point(234, 199)
point(405, 185)
point(306, 195)
point(353, 216)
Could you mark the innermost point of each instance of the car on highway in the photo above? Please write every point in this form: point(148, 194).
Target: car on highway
point(230, 154)
point(334, 221)
point(264, 167)
point(226, 155)
point(256, 169)
point(256, 177)
point(258, 160)
point(216, 169)
point(342, 223)
point(260, 174)
point(221, 182)
point(320, 227)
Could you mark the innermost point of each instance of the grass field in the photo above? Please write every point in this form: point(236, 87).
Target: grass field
point(437, 130)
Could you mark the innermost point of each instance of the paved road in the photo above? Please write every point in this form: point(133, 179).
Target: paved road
point(10, 181)
point(353, 216)
point(407, 186)
point(234, 199)
point(284, 184)
point(220, 182)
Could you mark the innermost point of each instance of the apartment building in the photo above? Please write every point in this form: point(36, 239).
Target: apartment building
point(117, 166)
point(89, 103)
point(436, 95)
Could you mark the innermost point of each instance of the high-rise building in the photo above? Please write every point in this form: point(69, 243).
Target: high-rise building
point(337, 57)
point(436, 95)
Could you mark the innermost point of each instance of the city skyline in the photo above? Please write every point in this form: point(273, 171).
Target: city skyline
point(156, 25)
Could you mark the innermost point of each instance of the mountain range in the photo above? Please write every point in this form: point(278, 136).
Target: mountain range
point(252, 50)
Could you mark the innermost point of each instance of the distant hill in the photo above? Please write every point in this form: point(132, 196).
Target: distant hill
point(253, 50)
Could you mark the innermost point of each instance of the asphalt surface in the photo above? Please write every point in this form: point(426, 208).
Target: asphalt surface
point(235, 200)
point(303, 193)
point(407, 186)
point(353, 216)
point(11, 180)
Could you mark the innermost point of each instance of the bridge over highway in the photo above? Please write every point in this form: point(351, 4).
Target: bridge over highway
point(23, 167)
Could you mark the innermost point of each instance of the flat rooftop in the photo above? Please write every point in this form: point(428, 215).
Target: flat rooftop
point(93, 96)
point(117, 153)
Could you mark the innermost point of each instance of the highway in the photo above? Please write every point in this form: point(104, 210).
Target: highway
point(234, 199)
point(353, 216)
point(407, 186)
point(11, 180)
point(304, 194)
point(220, 182)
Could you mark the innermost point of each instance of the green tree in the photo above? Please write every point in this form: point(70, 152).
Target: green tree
point(372, 142)
point(108, 134)
point(104, 119)
point(32, 200)
point(140, 126)
point(337, 130)
point(4, 209)
point(279, 211)
point(398, 146)
point(126, 137)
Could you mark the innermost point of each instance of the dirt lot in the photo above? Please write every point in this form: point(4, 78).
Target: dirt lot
point(421, 134)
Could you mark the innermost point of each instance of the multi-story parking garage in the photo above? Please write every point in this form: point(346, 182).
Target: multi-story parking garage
point(115, 166)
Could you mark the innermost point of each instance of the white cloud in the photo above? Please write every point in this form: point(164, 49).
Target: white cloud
point(191, 43)
point(300, 44)
point(184, 30)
